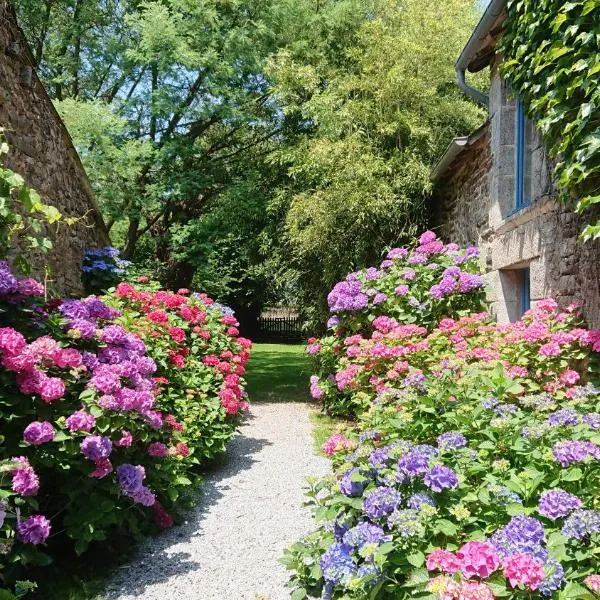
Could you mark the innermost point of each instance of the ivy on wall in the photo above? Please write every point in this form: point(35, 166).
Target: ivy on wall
point(552, 61)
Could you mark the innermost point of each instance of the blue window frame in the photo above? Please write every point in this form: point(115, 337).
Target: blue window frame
point(522, 158)
point(525, 291)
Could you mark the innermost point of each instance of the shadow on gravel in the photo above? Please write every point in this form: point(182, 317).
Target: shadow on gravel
point(132, 579)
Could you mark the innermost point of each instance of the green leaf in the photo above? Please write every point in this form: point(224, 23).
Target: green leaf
point(416, 559)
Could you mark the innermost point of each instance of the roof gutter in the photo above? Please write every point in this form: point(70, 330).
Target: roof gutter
point(493, 11)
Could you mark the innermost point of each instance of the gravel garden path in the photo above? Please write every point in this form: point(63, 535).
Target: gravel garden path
point(249, 511)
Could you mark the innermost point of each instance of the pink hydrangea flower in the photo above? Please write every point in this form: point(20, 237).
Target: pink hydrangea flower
point(550, 349)
point(522, 569)
point(103, 468)
point(24, 479)
point(336, 443)
point(569, 377)
point(442, 560)
point(80, 421)
point(478, 559)
point(593, 582)
point(11, 341)
point(51, 389)
point(471, 590)
point(126, 439)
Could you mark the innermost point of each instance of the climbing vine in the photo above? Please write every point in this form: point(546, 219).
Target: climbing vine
point(552, 60)
point(24, 217)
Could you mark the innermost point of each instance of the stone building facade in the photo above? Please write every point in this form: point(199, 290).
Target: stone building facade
point(495, 189)
point(43, 153)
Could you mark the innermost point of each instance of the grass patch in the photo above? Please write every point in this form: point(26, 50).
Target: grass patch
point(278, 373)
point(324, 426)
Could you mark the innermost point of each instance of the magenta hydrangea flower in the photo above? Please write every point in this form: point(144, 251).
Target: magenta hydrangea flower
point(39, 432)
point(94, 447)
point(34, 530)
point(80, 421)
point(157, 449)
point(24, 479)
point(144, 496)
point(478, 559)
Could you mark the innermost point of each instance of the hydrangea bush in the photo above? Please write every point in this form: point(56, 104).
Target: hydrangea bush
point(473, 470)
point(108, 406)
point(414, 288)
point(102, 269)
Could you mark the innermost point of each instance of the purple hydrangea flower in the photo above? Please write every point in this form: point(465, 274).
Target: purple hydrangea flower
point(440, 477)
point(34, 530)
point(557, 503)
point(74, 309)
point(131, 478)
point(563, 417)
point(94, 447)
point(381, 502)
point(525, 531)
point(413, 464)
point(144, 496)
point(39, 432)
point(8, 282)
point(567, 452)
point(333, 322)
point(592, 420)
point(85, 329)
point(379, 457)
point(451, 440)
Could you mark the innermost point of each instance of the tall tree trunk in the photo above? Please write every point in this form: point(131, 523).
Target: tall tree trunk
point(132, 237)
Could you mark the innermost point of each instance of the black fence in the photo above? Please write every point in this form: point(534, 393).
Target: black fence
point(280, 329)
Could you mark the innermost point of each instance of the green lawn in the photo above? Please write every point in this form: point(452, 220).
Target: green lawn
point(278, 373)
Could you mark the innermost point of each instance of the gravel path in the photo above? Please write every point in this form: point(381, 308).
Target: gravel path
point(250, 510)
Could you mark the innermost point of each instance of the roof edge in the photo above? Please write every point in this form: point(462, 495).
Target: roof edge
point(480, 37)
point(457, 146)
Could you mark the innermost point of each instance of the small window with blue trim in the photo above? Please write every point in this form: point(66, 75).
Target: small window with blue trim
point(525, 290)
point(524, 132)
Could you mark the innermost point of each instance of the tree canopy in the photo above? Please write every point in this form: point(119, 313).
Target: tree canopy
point(264, 147)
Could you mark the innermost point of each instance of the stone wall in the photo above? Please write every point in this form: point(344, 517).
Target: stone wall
point(461, 206)
point(472, 204)
point(42, 152)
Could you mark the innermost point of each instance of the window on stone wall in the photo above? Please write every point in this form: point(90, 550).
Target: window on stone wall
point(516, 292)
point(524, 141)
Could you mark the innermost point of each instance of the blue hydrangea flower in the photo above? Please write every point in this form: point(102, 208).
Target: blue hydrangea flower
point(364, 533)
point(419, 499)
point(581, 524)
point(337, 563)
point(381, 502)
point(352, 488)
point(451, 440)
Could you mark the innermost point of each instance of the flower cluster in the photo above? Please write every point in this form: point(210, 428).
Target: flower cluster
point(472, 464)
point(100, 416)
point(102, 268)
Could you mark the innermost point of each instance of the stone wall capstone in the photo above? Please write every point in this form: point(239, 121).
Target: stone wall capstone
point(43, 153)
